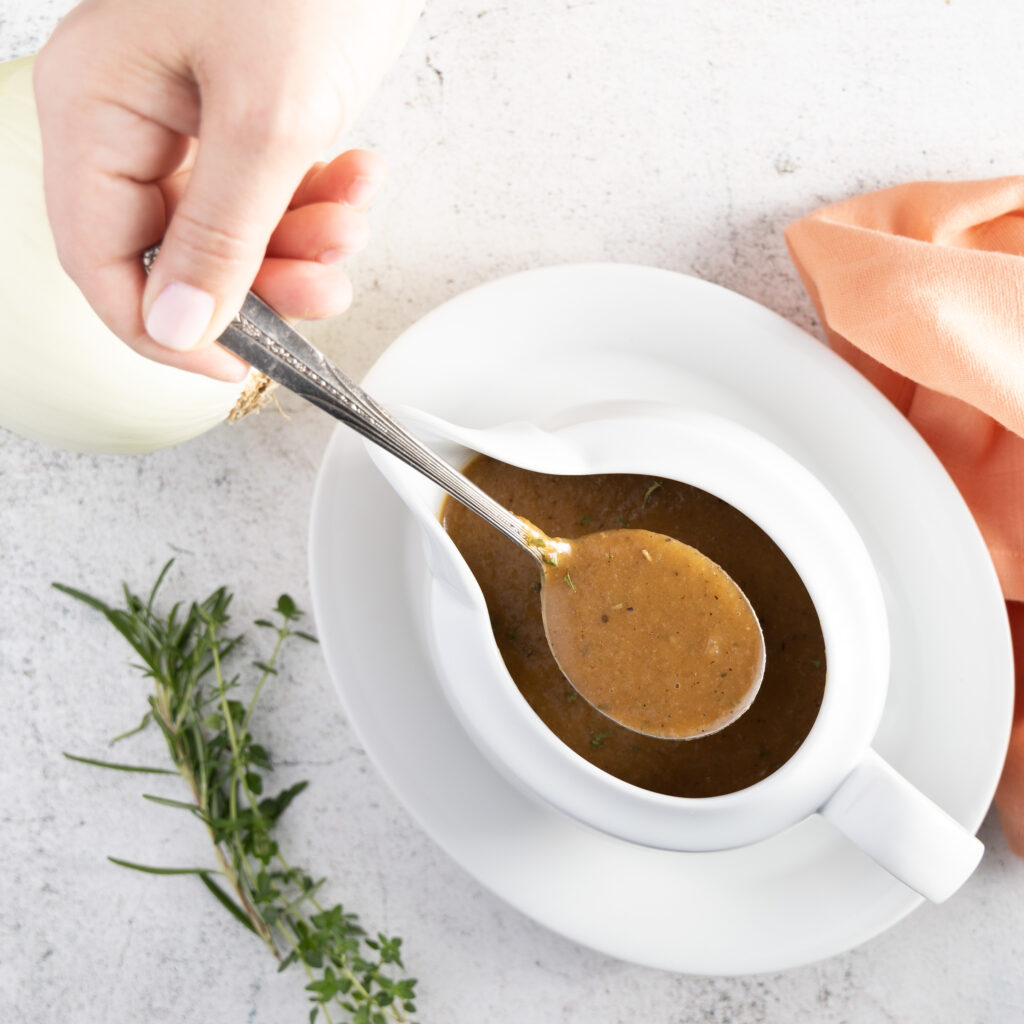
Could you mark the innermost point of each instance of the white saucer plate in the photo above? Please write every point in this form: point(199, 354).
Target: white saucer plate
point(529, 345)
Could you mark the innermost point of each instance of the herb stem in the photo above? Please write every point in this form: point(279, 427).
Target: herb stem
point(238, 780)
point(227, 867)
point(281, 634)
point(229, 724)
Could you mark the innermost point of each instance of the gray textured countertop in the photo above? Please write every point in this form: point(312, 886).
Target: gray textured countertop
point(665, 133)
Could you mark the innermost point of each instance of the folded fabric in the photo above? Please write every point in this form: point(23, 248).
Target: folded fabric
point(921, 287)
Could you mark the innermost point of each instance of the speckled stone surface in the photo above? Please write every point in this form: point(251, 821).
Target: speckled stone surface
point(663, 132)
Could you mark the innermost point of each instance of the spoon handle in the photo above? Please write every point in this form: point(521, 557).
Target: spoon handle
point(270, 344)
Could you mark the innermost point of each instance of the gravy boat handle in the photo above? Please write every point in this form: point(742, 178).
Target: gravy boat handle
point(902, 830)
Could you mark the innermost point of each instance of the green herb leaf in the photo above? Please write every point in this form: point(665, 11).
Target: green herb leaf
point(165, 802)
point(650, 490)
point(150, 870)
point(131, 732)
point(227, 902)
point(146, 769)
point(78, 595)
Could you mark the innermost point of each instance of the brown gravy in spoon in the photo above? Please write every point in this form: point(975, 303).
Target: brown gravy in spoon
point(652, 633)
point(742, 753)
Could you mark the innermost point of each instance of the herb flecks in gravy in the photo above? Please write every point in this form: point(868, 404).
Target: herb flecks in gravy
point(652, 632)
point(751, 748)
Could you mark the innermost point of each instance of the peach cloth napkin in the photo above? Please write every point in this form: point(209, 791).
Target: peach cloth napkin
point(921, 287)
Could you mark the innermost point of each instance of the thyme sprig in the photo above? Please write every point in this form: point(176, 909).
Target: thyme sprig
point(198, 707)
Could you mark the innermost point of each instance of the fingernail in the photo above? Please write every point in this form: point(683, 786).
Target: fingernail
point(179, 317)
point(361, 190)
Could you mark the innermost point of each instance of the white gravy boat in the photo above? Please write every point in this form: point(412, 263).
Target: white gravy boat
point(835, 772)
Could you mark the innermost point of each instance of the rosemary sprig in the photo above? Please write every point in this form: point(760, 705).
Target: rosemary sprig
point(197, 706)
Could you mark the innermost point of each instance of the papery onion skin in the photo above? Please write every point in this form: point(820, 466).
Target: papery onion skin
point(65, 378)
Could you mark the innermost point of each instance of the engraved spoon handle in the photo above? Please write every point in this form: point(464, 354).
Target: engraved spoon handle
point(270, 344)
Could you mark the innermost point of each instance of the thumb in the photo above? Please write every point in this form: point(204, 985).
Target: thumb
point(245, 172)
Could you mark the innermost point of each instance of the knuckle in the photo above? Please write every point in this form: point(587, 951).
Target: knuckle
point(293, 118)
point(197, 236)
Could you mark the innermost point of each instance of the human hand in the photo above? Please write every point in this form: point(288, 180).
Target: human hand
point(199, 124)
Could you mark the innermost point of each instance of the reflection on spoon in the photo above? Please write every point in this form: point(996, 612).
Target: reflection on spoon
point(649, 631)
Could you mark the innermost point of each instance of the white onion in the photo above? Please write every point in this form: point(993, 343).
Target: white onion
point(65, 379)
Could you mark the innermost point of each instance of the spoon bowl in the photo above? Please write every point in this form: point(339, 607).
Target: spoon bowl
point(648, 630)
point(652, 633)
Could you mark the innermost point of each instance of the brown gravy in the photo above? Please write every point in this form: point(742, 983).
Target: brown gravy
point(652, 633)
point(749, 749)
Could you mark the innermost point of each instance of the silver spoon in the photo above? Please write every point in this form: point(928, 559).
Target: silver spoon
point(269, 343)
